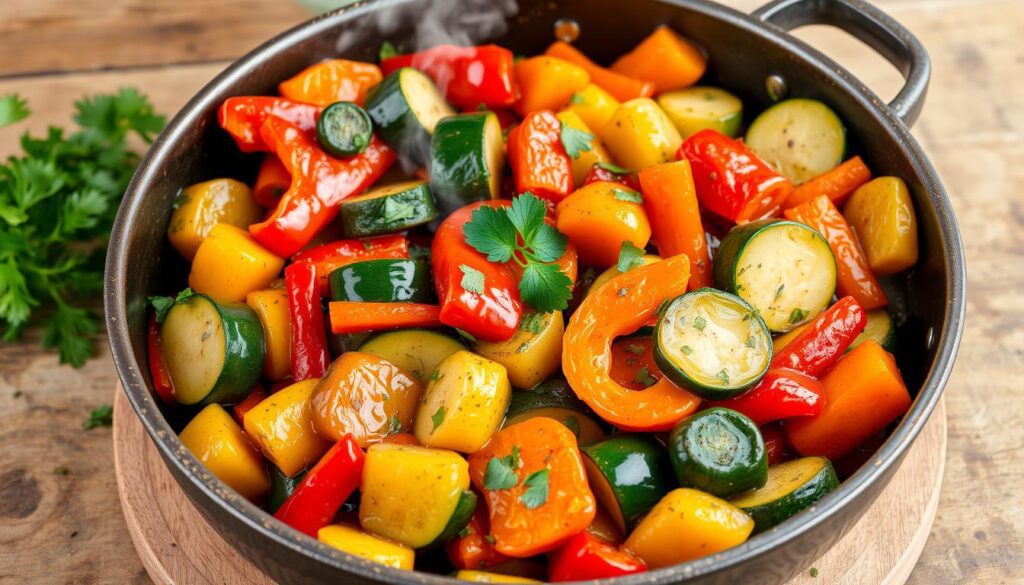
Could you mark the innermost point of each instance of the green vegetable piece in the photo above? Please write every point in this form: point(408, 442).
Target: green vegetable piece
point(344, 129)
point(719, 451)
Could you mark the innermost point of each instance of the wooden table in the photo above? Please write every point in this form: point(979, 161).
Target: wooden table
point(68, 528)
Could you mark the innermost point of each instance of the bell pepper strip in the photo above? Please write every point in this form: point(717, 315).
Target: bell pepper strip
point(158, 373)
point(492, 315)
point(621, 87)
point(618, 307)
point(855, 277)
point(670, 201)
point(823, 341)
point(547, 83)
point(864, 393)
point(730, 179)
point(781, 394)
point(333, 80)
point(329, 257)
point(601, 172)
point(775, 444)
point(324, 488)
point(665, 59)
point(837, 184)
point(472, 549)
point(271, 182)
point(467, 76)
point(243, 117)
point(585, 557)
point(358, 317)
point(310, 356)
point(526, 525)
point(255, 397)
point(319, 183)
point(538, 159)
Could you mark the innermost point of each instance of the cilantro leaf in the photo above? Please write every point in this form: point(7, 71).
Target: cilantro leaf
point(101, 416)
point(500, 473)
point(395, 424)
point(643, 376)
point(492, 233)
point(472, 279)
point(532, 323)
point(13, 108)
point(614, 168)
point(70, 330)
point(723, 376)
point(628, 196)
point(536, 494)
point(527, 215)
point(575, 141)
point(437, 418)
point(636, 349)
point(797, 315)
point(686, 349)
point(699, 323)
point(548, 243)
point(387, 51)
point(545, 288)
point(576, 99)
point(573, 425)
point(629, 257)
point(161, 305)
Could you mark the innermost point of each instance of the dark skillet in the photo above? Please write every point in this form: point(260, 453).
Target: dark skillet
point(745, 50)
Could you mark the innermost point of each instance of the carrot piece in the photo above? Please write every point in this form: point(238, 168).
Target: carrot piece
point(621, 87)
point(838, 184)
point(356, 317)
point(664, 58)
point(864, 392)
point(670, 201)
point(855, 277)
point(271, 182)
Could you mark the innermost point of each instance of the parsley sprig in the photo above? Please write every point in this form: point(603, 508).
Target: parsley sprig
point(519, 234)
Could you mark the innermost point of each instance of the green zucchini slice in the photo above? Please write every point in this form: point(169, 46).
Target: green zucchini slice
point(405, 107)
point(712, 343)
point(699, 108)
point(880, 327)
point(417, 351)
point(801, 138)
point(554, 399)
point(720, 451)
point(281, 486)
point(214, 350)
point(344, 129)
point(387, 209)
point(791, 487)
point(467, 157)
point(382, 281)
point(629, 474)
point(460, 517)
point(784, 269)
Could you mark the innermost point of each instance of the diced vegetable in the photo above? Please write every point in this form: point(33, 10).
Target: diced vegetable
point(271, 306)
point(800, 138)
point(592, 152)
point(881, 328)
point(417, 351)
point(364, 396)
point(309, 354)
point(329, 257)
point(781, 394)
point(555, 400)
point(356, 542)
point(387, 281)
point(670, 201)
point(719, 451)
point(474, 547)
point(664, 58)
point(200, 207)
point(467, 76)
point(639, 134)
point(409, 494)
point(357, 317)
point(614, 271)
point(587, 557)
point(282, 427)
point(344, 129)
point(837, 183)
point(629, 474)
point(825, 339)
point(882, 215)
point(218, 443)
point(621, 87)
point(330, 81)
point(593, 105)
point(466, 160)
point(699, 108)
point(547, 83)
point(533, 353)
point(405, 109)
point(230, 264)
point(538, 156)
point(792, 486)
point(324, 488)
point(464, 403)
point(598, 217)
point(243, 117)
point(387, 209)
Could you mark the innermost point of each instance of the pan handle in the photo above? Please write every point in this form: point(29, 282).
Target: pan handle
point(869, 24)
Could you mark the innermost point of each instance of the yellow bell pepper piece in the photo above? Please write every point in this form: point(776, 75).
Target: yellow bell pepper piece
point(612, 272)
point(882, 215)
point(463, 404)
point(201, 206)
point(230, 264)
point(586, 160)
point(356, 542)
point(593, 105)
point(271, 305)
point(409, 493)
point(639, 135)
point(688, 524)
point(218, 442)
point(485, 577)
point(533, 353)
point(282, 427)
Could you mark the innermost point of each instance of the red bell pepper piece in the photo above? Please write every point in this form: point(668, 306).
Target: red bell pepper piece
point(255, 397)
point(781, 394)
point(309, 339)
point(539, 162)
point(492, 315)
point(243, 117)
point(585, 557)
point(359, 316)
point(601, 173)
point(158, 373)
point(271, 182)
point(329, 257)
point(823, 342)
point(730, 179)
point(324, 488)
point(319, 183)
point(473, 550)
point(775, 444)
point(467, 76)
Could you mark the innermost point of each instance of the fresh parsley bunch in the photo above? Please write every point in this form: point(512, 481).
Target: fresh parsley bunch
point(57, 203)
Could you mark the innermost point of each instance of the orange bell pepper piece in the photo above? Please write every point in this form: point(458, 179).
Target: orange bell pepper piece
point(334, 80)
point(547, 83)
point(621, 306)
point(864, 392)
point(271, 182)
point(543, 444)
point(838, 184)
point(538, 159)
point(473, 550)
point(621, 87)
point(356, 317)
point(633, 364)
point(664, 58)
point(670, 201)
point(855, 277)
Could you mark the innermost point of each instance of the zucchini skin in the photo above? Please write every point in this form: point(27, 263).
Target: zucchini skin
point(553, 392)
point(344, 129)
point(369, 217)
point(281, 486)
point(395, 122)
point(739, 463)
point(383, 281)
point(243, 355)
point(775, 512)
point(464, 509)
point(622, 459)
point(458, 161)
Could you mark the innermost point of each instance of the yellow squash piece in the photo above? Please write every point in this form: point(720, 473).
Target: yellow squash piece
point(230, 264)
point(639, 135)
point(614, 271)
point(282, 427)
point(485, 577)
point(218, 442)
point(586, 160)
point(594, 106)
point(463, 404)
point(356, 542)
point(271, 305)
point(408, 493)
point(688, 524)
point(533, 353)
point(417, 351)
point(882, 215)
point(201, 206)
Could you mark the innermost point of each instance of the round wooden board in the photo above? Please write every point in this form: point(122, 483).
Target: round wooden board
point(178, 547)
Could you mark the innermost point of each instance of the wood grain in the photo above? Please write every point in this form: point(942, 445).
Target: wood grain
point(972, 128)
